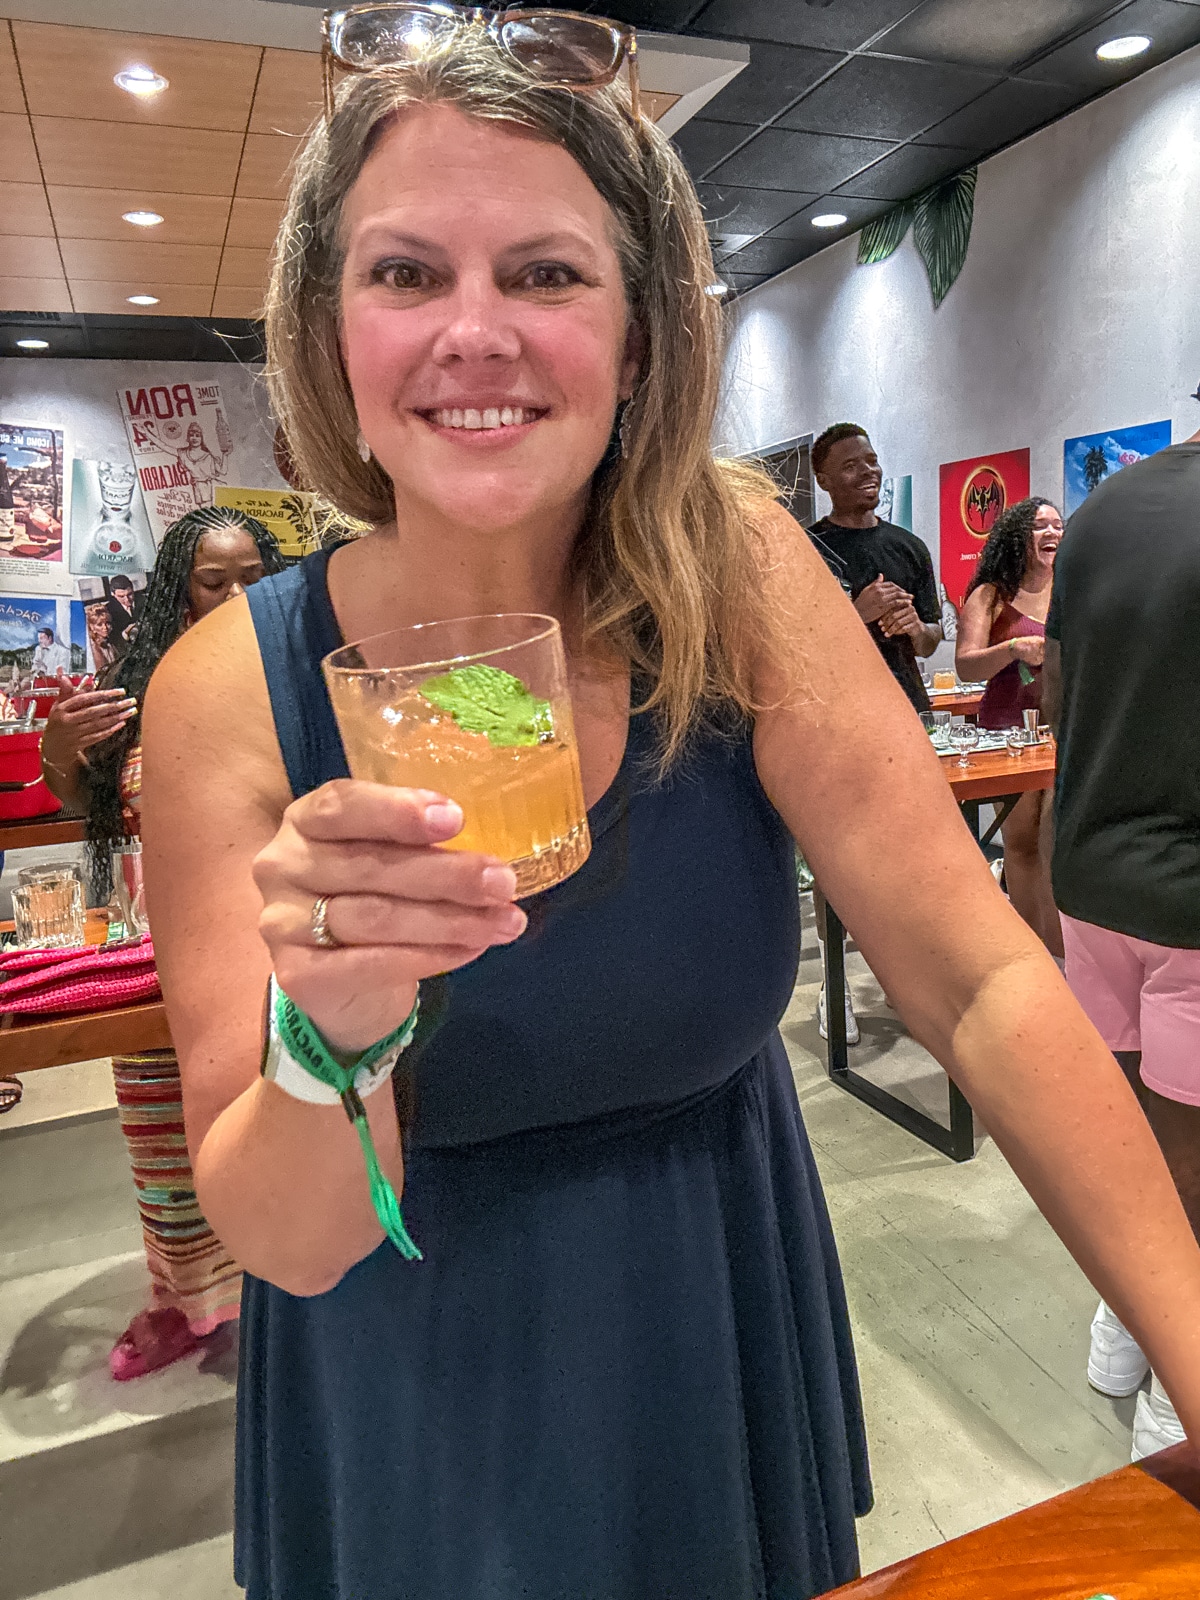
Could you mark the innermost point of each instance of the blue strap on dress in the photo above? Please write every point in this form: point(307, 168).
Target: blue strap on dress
point(623, 1370)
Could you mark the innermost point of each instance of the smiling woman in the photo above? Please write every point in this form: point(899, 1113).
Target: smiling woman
point(623, 1366)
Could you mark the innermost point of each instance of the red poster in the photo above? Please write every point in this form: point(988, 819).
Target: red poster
point(973, 495)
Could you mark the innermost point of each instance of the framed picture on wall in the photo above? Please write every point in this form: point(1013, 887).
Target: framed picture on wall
point(790, 464)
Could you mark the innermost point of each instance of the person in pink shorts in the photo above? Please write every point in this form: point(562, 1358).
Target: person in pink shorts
point(1119, 687)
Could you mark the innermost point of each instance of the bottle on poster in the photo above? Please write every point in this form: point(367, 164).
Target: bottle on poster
point(181, 444)
point(109, 529)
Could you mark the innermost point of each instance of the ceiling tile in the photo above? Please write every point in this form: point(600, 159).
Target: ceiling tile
point(99, 214)
point(776, 74)
point(778, 158)
point(702, 143)
point(265, 162)
point(910, 169)
point(23, 210)
point(987, 33)
point(844, 25)
point(1003, 114)
point(765, 255)
point(116, 155)
point(238, 303)
point(11, 98)
point(174, 299)
point(29, 258)
point(34, 294)
point(138, 261)
point(1171, 25)
point(211, 84)
point(741, 281)
point(253, 224)
point(885, 99)
point(289, 95)
point(736, 210)
point(667, 15)
point(18, 158)
point(243, 268)
point(856, 212)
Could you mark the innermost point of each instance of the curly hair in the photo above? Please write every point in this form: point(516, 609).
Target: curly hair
point(825, 442)
point(163, 618)
point(1005, 556)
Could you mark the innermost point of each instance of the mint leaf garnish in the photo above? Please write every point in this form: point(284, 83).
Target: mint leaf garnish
point(483, 699)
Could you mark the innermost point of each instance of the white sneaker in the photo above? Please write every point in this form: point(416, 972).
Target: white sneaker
point(1116, 1365)
point(1155, 1425)
point(852, 1034)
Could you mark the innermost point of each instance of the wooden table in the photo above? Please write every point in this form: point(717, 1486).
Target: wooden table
point(992, 776)
point(1134, 1535)
point(963, 705)
point(33, 833)
point(29, 1045)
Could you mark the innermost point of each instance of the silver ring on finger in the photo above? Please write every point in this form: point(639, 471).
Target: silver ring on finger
point(323, 936)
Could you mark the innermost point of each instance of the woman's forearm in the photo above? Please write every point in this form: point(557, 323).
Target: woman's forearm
point(68, 784)
point(980, 666)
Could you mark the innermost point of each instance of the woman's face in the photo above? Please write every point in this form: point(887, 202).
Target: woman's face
point(1046, 537)
point(484, 325)
point(226, 562)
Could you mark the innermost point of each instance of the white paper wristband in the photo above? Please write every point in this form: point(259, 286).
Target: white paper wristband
point(294, 1078)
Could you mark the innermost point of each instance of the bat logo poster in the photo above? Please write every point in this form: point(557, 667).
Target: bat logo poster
point(974, 494)
point(181, 446)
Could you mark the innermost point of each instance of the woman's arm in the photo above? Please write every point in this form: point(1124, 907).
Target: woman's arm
point(875, 818)
point(79, 720)
point(975, 660)
point(232, 872)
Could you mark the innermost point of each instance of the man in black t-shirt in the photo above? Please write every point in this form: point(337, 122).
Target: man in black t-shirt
point(885, 570)
point(1120, 687)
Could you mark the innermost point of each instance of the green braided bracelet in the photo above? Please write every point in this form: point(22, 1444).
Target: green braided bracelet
point(304, 1044)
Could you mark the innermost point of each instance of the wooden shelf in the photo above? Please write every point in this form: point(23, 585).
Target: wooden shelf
point(30, 1045)
point(34, 833)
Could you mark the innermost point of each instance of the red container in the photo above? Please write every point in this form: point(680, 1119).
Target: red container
point(21, 762)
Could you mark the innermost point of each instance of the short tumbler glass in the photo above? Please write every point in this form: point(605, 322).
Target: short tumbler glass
point(48, 906)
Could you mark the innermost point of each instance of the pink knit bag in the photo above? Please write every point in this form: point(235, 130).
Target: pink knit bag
point(48, 982)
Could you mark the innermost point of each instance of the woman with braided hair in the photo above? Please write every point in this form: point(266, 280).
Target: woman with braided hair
point(91, 759)
point(1001, 638)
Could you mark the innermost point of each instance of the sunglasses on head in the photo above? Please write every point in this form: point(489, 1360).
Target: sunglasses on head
point(560, 49)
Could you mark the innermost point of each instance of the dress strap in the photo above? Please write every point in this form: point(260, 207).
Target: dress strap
point(296, 626)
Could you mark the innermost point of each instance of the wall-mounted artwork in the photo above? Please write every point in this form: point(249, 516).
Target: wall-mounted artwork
point(1088, 460)
point(109, 529)
point(895, 503)
point(181, 446)
point(286, 513)
point(40, 635)
point(790, 464)
point(32, 510)
point(112, 609)
point(974, 493)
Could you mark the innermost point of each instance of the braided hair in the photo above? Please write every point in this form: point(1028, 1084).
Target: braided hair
point(163, 618)
point(1005, 556)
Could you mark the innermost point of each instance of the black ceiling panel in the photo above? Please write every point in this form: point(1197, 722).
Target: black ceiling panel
point(909, 169)
point(774, 77)
point(115, 338)
point(702, 143)
point(856, 212)
point(743, 281)
point(666, 16)
point(1172, 26)
point(988, 33)
point(766, 255)
point(842, 25)
point(735, 210)
point(1011, 110)
point(779, 158)
point(886, 99)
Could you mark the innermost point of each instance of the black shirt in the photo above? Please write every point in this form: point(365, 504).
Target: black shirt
point(856, 557)
point(1126, 612)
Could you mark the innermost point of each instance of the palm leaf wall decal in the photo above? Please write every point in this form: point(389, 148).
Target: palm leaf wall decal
point(883, 237)
point(942, 229)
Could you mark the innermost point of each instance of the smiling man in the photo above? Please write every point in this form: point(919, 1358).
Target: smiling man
point(885, 569)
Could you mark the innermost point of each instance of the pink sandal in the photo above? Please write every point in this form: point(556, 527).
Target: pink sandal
point(153, 1340)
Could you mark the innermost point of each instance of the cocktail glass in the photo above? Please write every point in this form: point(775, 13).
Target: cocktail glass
point(477, 709)
point(964, 736)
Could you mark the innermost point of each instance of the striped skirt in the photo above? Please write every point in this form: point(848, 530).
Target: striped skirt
point(190, 1268)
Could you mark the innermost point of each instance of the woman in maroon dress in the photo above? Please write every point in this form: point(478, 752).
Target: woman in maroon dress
point(1001, 638)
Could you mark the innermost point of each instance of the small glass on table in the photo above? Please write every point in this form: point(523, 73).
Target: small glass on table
point(477, 709)
point(964, 736)
point(48, 906)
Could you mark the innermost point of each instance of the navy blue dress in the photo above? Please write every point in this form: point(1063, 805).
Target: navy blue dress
point(623, 1370)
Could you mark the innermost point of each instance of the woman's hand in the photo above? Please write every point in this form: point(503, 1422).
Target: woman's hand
point(401, 908)
point(79, 719)
point(1028, 649)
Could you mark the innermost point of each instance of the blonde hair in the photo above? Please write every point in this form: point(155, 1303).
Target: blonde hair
point(667, 562)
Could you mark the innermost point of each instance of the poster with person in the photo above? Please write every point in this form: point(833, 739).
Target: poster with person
point(109, 529)
point(32, 510)
point(181, 443)
point(40, 635)
point(112, 608)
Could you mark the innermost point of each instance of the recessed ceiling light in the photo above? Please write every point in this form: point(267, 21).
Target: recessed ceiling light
point(143, 299)
point(717, 290)
point(33, 344)
point(142, 219)
point(829, 219)
point(1134, 44)
point(141, 80)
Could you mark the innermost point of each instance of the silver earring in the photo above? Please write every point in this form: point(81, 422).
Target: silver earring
point(364, 449)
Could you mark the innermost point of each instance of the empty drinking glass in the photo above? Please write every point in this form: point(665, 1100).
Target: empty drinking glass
point(964, 736)
point(129, 888)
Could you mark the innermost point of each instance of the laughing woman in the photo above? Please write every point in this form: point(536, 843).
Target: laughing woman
point(622, 1368)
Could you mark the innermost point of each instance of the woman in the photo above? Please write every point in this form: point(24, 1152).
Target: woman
point(1001, 639)
point(91, 759)
point(623, 1366)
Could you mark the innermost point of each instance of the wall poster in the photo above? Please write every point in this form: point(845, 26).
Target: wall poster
point(974, 493)
point(39, 636)
point(181, 445)
point(895, 503)
point(1088, 460)
point(111, 609)
point(109, 529)
point(32, 510)
point(286, 513)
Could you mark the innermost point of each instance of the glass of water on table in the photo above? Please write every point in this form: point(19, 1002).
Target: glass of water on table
point(964, 736)
point(477, 709)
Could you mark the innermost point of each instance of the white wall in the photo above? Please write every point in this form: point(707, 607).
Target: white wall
point(1077, 309)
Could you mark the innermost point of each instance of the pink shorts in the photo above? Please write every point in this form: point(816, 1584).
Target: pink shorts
point(1140, 996)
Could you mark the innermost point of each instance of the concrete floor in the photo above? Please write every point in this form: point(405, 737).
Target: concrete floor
point(971, 1321)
